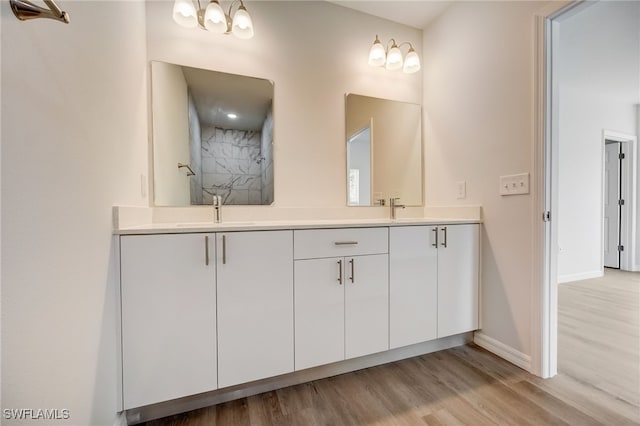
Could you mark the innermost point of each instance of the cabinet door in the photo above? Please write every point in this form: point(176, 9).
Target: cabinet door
point(255, 305)
point(168, 317)
point(366, 305)
point(413, 285)
point(458, 268)
point(319, 307)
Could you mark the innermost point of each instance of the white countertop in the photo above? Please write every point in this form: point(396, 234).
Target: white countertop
point(191, 227)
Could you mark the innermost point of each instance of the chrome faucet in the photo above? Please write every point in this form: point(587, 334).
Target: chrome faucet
point(394, 206)
point(217, 208)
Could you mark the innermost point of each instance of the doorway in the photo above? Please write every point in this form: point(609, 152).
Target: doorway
point(546, 247)
point(612, 203)
point(619, 201)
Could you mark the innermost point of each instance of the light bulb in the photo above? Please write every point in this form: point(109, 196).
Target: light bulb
point(394, 58)
point(377, 55)
point(242, 26)
point(411, 62)
point(214, 18)
point(185, 14)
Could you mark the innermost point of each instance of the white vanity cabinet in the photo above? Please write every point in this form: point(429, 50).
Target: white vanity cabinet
point(255, 305)
point(434, 282)
point(341, 294)
point(458, 278)
point(207, 311)
point(168, 294)
point(413, 285)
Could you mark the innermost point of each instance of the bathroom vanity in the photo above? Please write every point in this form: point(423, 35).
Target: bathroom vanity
point(213, 309)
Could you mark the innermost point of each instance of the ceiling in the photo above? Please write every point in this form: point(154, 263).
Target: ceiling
point(216, 94)
point(417, 14)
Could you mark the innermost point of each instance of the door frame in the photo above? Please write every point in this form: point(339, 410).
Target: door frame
point(628, 182)
point(544, 288)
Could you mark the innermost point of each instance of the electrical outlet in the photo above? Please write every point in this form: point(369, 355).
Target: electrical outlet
point(514, 184)
point(461, 190)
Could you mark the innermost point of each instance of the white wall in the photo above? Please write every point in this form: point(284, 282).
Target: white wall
point(599, 87)
point(170, 103)
point(315, 52)
point(478, 118)
point(74, 143)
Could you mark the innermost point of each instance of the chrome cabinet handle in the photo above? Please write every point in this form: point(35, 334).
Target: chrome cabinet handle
point(353, 270)
point(340, 271)
point(435, 231)
point(206, 250)
point(444, 232)
point(345, 243)
point(224, 249)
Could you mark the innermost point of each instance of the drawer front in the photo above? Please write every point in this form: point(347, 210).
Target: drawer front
point(317, 243)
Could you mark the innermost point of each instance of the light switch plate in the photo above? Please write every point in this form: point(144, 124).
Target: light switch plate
point(461, 190)
point(514, 184)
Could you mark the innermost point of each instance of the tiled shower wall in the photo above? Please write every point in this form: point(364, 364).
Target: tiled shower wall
point(231, 166)
point(195, 150)
point(266, 163)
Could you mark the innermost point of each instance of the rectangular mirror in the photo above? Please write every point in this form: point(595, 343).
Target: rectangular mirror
point(212, 135)
point(384, 151)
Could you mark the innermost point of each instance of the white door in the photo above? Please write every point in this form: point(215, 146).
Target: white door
point(611, 206)
point(458, 280)
point(168, 317)
point(255, 305)
point(319, 307)
point(413, 285)
point(366, 305)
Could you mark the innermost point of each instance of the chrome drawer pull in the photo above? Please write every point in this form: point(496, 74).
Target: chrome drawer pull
point(206, 250)
point(345, 243)
point(353, 271)
point(224, 249)
point(444, 232)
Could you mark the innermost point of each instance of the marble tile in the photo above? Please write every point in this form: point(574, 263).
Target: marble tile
point(232, 161)
point(246, 182)
point(255, 197)
point(217, 181)
point(256, 183)
point(209, 165)
point(237, 196)
point(253, 168)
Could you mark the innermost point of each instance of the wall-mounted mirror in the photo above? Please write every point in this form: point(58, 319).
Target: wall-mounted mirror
point(212, 135)
point(384, 151)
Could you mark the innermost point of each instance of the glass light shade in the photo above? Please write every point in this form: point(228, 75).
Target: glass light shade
point(215, 19)
point(185, 14)
point(377, 55)
point(394, 58)
point(242, 26)
point(411, 62)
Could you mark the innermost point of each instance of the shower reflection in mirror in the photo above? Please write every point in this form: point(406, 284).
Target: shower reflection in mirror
point(221, 125)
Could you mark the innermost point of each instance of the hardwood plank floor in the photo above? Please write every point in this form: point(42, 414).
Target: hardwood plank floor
point(599, 333)
point(598, 381)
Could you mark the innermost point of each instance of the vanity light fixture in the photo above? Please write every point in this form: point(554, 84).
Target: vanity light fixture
point(213, 17)
point(232, 116)
point(391, 56)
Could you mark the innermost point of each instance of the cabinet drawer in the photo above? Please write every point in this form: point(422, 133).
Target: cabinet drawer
point(315, 243)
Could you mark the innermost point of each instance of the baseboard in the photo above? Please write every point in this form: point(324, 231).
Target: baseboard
point(503, 351)
point(580, 276)
point(636, 268)
point(121, 420)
